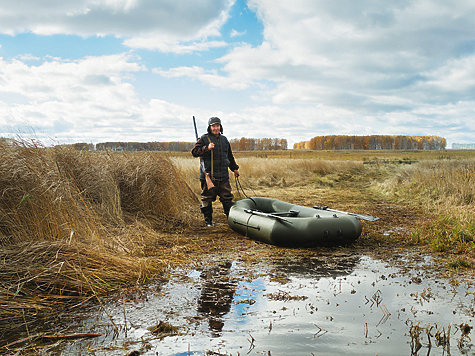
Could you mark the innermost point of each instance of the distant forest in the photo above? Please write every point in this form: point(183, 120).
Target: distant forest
point(145, 146)
point(242, 144)
point(258, 144)
point(373, 142)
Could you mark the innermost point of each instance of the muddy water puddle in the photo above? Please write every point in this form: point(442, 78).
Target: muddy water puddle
point(350, 304)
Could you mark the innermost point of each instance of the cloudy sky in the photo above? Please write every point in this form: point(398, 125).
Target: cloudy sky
point(138, 70)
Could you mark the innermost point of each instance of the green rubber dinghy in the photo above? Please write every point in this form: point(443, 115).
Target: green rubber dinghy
point(279, 223)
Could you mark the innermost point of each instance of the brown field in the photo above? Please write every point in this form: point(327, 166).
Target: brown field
point(76, 225)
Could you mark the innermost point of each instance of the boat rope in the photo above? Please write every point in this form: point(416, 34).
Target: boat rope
point(238, 185)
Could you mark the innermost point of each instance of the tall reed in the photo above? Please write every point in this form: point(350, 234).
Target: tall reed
point(78, 223)
point(39, 200)
point(56, 193)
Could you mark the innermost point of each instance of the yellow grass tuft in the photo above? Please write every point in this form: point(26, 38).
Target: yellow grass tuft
point(445, 189)
point(443, 184)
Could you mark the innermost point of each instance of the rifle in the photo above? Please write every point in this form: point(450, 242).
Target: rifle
point(359, 216)
point(209, 182)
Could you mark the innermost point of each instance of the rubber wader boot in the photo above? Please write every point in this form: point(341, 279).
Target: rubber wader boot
point(227, 206)
point(208, 214)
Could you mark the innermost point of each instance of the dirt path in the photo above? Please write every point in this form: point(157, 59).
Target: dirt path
point(393, 230)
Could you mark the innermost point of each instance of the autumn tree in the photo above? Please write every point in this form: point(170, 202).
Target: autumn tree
point(373, 142)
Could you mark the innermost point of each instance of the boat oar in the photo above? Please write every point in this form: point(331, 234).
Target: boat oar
point(269, 215)
point(359, 216)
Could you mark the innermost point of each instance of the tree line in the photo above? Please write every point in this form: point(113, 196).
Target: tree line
point(242, 144)
point(258, 144)
point(178, 146)
point(373, 142)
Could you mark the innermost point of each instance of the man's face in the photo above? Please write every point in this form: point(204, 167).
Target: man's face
point(215, 129)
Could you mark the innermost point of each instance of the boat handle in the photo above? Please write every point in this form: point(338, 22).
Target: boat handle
point(258, 227)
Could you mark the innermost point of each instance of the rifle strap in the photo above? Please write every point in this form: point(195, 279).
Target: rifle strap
point(209, 141)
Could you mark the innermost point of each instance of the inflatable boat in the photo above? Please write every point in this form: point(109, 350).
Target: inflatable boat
point(279, 223)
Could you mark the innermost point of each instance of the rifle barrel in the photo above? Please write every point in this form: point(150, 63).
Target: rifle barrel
point(196, 130)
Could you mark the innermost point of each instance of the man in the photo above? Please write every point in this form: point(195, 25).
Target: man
point(216, 158)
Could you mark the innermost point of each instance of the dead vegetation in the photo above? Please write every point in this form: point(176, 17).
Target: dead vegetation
point(444, 190)
point(429, 203)
point(278, 172)
point(75, 225)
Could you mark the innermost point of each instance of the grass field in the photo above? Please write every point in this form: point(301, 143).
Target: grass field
point(76, 225)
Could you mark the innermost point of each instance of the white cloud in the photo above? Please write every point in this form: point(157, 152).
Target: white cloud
point(351, 68)
point(380, 62)
point(138, 20)
point(27, 57)
point(210, 77)
point(457, 75)
point(355, 46)
point(172, 45)
point(347, 67)
point(89, 99)
point(235, 33)
point(69, 81)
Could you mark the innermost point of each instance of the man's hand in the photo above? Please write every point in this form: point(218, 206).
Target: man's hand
point(236, 173)
point(210, 146)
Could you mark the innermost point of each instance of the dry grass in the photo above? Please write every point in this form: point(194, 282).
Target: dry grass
point(75, 224)
point(445, 183)
point(51, 194)
point(49, 274)
point(445, 190)
point(288, 172)
point(274, 172)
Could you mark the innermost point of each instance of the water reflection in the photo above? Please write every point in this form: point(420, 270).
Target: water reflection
point(290, 305)
point(318, 266)
point(216, 296)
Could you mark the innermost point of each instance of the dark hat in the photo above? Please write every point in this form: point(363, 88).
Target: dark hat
point(214, 120)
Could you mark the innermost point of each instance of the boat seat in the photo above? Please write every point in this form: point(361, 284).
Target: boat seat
point(290, 213)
